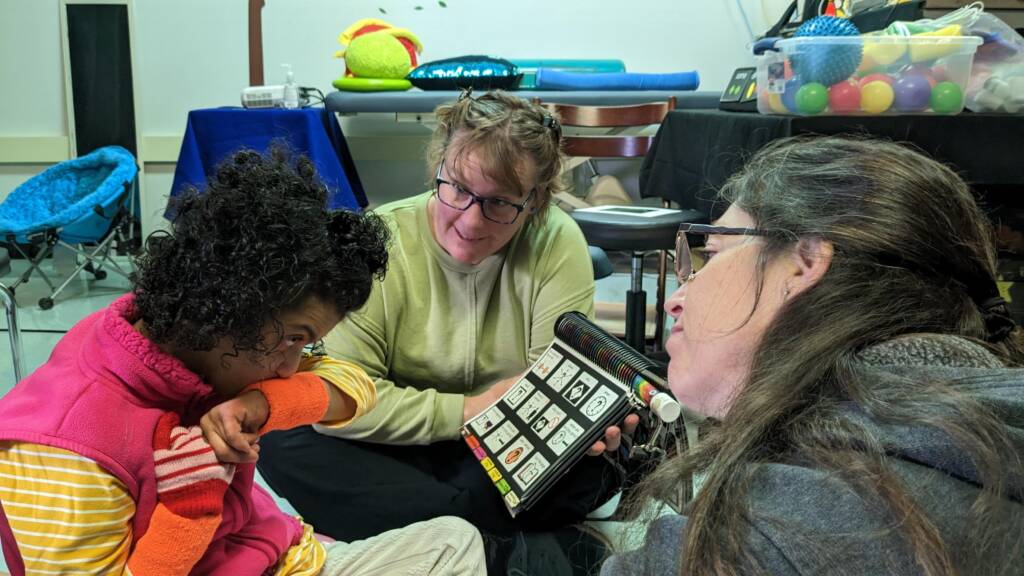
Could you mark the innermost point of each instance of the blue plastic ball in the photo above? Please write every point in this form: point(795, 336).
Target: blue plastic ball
point(793, 86)
point(826, 63)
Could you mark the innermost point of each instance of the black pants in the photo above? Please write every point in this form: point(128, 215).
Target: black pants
point(351, 490)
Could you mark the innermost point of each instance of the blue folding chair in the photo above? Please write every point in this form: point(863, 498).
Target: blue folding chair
point(83, 205)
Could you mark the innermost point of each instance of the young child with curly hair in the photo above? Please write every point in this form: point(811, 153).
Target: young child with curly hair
point(103, 465)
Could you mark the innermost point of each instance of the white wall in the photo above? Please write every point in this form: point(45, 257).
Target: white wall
point(193, 54)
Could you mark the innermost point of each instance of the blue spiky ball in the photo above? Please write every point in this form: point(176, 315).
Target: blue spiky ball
point(827, 64)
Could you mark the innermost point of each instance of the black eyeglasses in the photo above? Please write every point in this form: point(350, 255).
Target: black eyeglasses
point(685, 270)
point(494, 209)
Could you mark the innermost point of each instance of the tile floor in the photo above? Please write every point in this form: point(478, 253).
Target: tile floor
point(41, 329)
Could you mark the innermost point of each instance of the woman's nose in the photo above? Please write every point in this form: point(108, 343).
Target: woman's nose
point(674, 303)
point(475, 214)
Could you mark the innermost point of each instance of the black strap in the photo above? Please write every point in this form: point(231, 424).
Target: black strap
point(814, 8)
point(786, 16)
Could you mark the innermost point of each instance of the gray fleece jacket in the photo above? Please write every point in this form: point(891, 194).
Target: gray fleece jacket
point(806, 521)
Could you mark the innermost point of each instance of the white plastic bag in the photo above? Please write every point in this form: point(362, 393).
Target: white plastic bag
point(997, 76)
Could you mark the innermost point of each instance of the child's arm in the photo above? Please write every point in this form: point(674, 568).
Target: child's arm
point(66, 512)
point(324, 390)
point(190, 485)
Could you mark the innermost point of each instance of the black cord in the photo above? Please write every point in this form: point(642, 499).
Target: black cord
point(308, 93)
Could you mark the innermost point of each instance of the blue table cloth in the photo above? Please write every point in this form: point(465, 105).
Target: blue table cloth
point(213, 134)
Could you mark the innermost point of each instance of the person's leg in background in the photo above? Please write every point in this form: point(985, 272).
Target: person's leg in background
point(353, 490)
point(446, 546)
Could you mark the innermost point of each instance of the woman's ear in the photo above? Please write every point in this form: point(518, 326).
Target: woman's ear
point(533, 204)
point(811, 259)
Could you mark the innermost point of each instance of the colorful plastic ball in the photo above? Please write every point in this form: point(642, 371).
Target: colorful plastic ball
point(922, 70)
point(811, 98)
point(913, 93)
point(876, 97)
point(876, 77)
point(775, 104)
point(947, 98)
point(830, 61)
point(844, 97)
point(789, 95)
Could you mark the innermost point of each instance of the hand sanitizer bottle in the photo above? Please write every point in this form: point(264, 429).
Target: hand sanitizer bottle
point(291, 91)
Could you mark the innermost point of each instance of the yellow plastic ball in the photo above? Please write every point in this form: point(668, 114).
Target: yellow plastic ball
point(876, 97)
point(776, 105)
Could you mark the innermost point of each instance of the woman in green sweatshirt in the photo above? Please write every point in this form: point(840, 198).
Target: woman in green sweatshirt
point(481, 266)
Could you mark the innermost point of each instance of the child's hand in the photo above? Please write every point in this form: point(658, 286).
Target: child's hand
point(231, 427)
point(190, 482)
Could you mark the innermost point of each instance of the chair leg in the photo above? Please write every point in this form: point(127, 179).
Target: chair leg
point(35, 263)
point(636, 306)
point(87, 261)
point(11, 307)
point(98, 258)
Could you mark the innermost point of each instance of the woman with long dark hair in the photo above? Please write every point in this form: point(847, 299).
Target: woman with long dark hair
point(847, 340)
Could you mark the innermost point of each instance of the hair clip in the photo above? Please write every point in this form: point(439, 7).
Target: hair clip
point(466, 93)
point(998, 322)
point(553, 125)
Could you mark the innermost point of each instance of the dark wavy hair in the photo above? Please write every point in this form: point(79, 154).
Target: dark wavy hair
point(258, 242)
point(914, 255)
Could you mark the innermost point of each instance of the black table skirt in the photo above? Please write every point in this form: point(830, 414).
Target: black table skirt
point(695, 151)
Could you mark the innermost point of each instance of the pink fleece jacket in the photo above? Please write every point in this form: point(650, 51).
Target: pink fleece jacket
point(100, 395)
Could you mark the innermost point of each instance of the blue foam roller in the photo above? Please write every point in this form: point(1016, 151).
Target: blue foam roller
point(529, 67)
point(548, 79)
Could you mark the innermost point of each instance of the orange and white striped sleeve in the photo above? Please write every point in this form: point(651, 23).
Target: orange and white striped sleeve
point(67, 514)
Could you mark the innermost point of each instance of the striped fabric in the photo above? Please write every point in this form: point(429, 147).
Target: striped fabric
point(189, 461)
point(68, 515)
point(305, 558)
point(347, 377)
point(71, 517)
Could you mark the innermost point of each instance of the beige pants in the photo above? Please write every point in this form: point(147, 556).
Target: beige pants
point(446, 546)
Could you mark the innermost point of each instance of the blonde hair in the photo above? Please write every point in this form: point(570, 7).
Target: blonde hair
point(504, 132)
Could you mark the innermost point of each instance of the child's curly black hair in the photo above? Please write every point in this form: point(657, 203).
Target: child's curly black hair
point(259, 241)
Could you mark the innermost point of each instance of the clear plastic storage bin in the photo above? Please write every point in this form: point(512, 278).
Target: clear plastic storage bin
point(867, 75)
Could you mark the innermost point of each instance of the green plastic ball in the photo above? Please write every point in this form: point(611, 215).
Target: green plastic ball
point(812, 98)
point(947, 98)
